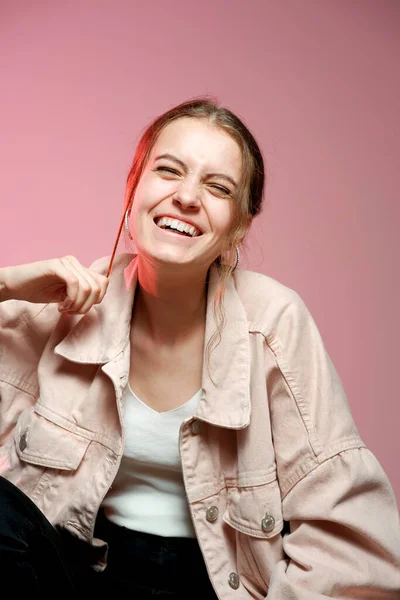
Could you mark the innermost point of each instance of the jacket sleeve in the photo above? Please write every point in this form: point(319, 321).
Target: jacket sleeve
point(344, 539)
point(24, 330)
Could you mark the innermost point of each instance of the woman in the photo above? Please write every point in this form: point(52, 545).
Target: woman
point(189, 434)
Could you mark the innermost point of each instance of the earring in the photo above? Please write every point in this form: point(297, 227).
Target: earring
point(237, 258)
point(128, 212)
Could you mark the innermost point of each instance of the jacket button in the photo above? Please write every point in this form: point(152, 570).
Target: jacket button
point(195, 427)
point(212, 514)
point(22, 441)
point(268, 523)
point(234, 581)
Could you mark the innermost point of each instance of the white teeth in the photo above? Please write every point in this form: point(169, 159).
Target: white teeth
point(178, 225)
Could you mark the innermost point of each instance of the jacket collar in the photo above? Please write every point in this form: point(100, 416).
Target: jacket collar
point(104, 332)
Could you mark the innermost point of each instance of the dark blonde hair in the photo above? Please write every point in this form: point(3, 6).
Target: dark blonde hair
point(248, 198)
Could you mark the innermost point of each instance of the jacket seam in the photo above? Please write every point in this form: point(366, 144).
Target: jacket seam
point(275, 347)
point(306, 468)
point(221, 487)
point(251, 478)
point(29, 389)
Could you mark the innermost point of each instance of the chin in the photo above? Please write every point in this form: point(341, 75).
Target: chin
point(168, 257)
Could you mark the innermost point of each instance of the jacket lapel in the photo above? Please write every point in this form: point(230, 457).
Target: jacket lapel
point(226, 381)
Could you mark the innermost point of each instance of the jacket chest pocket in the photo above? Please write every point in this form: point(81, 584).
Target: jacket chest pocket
point(44, 443)
point(43, 446)
point(255, 515)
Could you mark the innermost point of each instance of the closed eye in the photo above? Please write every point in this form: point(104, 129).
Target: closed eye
point(221, 189)
point(168, 169)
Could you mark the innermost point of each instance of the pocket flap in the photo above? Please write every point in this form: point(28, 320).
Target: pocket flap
point(255, 510)
point(41, 442)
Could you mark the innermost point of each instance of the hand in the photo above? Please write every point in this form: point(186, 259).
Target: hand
point(63, 280)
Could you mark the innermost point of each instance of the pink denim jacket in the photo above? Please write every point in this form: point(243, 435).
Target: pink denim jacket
point(273, 441)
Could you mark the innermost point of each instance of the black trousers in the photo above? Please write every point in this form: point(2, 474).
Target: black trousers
point(36, 557)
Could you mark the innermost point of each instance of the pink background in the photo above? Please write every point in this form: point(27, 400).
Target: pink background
point(317, 82)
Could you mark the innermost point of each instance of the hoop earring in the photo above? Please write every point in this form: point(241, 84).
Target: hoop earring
point(128, 212)
point(237, 258)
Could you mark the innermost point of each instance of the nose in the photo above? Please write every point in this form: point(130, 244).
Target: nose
point(187, 195)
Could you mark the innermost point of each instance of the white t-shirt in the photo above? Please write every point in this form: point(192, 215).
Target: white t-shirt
point(148, 493)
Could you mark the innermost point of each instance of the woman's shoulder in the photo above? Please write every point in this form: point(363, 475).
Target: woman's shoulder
point(262, 284)
point(269, 303)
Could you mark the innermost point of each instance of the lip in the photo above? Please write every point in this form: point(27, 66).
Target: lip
point(184, 220)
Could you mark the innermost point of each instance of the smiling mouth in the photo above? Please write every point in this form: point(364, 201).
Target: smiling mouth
point(176, 226)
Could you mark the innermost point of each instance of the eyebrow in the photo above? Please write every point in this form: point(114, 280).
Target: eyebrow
point(183, 166)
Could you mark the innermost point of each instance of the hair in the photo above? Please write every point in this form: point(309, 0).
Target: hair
point(247, 202)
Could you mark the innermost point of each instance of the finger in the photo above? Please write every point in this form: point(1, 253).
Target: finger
point(68, 277)
point(103, 281)
point(88, 290)
point(98, 281)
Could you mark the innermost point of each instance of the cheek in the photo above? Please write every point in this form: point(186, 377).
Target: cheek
point(222, 219)
point(152, 188)
point(143, 201)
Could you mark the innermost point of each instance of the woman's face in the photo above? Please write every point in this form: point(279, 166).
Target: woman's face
point(189, 181)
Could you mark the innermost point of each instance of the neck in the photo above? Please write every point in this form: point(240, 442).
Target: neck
point(170, 302)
